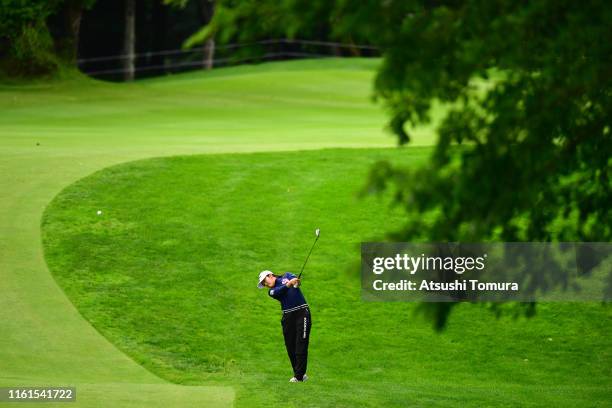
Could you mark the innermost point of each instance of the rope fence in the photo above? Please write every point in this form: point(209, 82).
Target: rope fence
point(181, 59)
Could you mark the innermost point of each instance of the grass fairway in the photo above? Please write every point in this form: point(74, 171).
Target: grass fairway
point(52, 134)
point(157, 273)
point(167, 273)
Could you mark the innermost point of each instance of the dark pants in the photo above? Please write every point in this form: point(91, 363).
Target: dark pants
point(296, 330)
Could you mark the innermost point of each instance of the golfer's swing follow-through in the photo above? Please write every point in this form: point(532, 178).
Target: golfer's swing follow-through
point(296, 319)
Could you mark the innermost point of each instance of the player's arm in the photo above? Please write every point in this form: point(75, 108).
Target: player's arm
point(293, 280)
point(279, 291)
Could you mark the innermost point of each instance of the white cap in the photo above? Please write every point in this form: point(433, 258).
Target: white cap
point(262, 276)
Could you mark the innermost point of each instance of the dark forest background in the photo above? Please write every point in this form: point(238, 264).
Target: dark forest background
point(128, 39)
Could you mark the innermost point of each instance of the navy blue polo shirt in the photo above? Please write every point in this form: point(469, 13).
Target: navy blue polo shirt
point(290, 298)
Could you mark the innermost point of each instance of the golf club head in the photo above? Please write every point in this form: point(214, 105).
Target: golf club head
point(317, 232)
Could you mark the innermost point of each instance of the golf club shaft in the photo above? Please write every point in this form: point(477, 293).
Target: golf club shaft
point(310, 252)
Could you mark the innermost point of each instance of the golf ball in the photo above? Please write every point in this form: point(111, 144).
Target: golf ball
point(99, 212)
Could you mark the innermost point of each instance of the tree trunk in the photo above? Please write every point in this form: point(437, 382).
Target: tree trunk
point(209, 53)
point(207, 10)
point(64, 27)
point(73, 16)
point(129, 40)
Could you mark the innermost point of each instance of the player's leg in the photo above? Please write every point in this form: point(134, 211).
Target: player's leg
point(303, 325)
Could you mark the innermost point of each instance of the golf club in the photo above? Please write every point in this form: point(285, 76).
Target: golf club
point(317, 234)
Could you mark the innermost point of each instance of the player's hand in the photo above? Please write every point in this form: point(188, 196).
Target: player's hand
point(292, 282)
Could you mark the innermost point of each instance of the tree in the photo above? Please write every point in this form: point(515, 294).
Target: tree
point(25, 43)
point(65, 26)
point(205, 36)
point(524, 152)
point(28, 46)
point(242, 22)
point(250, 21)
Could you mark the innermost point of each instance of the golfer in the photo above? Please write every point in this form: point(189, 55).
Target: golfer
point(296, 318)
